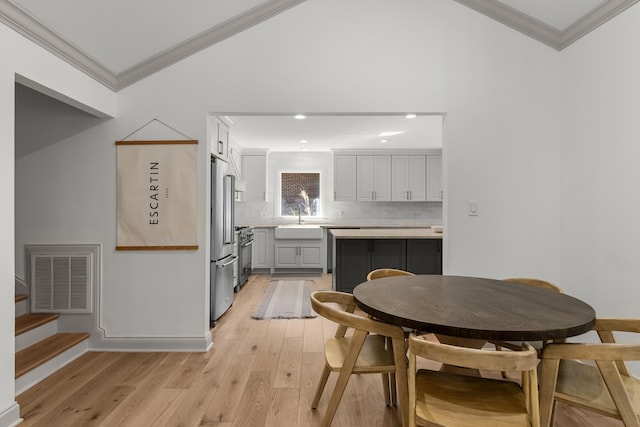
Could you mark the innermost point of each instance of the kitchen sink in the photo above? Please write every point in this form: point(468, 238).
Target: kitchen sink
point(298, 231)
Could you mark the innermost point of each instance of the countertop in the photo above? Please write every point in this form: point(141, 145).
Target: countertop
point(355, 225)
point(386, 233)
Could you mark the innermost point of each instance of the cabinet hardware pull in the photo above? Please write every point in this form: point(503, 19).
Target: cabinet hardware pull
point(220, 147)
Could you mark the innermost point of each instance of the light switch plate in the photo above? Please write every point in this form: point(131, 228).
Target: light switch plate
point(473, 208)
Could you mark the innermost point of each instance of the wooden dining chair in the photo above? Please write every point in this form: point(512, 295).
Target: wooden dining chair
point(530, 282)
point(446, 399)
point(374, 347)
point(605, 387)
point(387, 272)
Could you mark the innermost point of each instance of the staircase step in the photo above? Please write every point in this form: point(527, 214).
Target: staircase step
point(45, 350)
point(27, 322)
point(20, 297)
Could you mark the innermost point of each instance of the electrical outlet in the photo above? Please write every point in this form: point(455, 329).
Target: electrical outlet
point(473, 208)
point(263, 214)
point(341, 213)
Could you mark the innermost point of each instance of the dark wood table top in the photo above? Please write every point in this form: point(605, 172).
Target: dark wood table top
point(470, 307)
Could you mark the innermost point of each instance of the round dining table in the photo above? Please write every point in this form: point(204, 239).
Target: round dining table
point(472, 307)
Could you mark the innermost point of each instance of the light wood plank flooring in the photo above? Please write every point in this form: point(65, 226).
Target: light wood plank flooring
point(259, 373)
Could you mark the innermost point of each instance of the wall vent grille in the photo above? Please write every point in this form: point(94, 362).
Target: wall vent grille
point(62, 278)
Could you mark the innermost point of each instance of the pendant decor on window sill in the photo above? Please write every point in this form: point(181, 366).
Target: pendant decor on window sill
point(156, 191)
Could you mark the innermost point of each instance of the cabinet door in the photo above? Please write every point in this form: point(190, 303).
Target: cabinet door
point(310, 256)
point(221, 146)
point(260, 249)
point(387, 253)
point(434, 179)
point(424, 256)
point(352, 263)
point(382, 178)
point(364, 181)
point(399, 178)
point(344, 178)
point(416, 177)
point(254, 169)
point(286, 256)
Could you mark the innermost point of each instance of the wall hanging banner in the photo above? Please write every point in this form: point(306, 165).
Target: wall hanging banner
point(157, 199)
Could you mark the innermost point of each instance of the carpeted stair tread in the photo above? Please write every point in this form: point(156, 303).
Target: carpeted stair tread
point(20, 297)
point(27, 322)
point(45, 350)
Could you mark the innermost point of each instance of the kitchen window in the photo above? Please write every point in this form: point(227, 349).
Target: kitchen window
point(300, 194)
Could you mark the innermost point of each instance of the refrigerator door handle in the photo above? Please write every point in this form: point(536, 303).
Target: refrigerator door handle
point(228, 208)
point(228, 263)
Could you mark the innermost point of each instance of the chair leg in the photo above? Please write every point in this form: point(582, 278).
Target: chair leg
point(394, 390)
point(357, 340)
point(548, 381)
point(386, 389)
point(399, 356)
point(320, 388)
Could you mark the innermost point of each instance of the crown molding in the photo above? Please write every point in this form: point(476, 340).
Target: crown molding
point(22, 22)
point(516, 20)
point(204, 40)
point(594, 19)
point(545, 33)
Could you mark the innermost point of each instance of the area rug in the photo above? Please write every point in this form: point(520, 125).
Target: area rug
point(286, 299)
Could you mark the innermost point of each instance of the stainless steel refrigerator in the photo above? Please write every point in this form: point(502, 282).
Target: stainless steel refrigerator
point(222, 238)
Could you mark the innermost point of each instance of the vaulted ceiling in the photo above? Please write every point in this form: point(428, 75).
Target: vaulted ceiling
point(119, 42)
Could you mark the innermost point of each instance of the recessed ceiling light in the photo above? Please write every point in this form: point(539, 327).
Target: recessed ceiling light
point(303, 141)
point(390, 133)
point(299, 117)
point(384, 140)
point(410, 116)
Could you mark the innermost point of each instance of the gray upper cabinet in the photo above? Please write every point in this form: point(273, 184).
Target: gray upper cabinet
point(254, 171)
point(408, 178)
point(374, 178)
point(434, 179)
point(344, 178)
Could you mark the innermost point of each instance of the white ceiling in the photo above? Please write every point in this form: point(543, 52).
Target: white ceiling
point(119, 42)
point(325, 132)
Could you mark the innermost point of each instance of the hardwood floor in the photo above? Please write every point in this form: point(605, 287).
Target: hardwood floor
point(259, 373)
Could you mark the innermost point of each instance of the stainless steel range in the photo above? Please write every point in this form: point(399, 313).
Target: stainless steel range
point(245, 243)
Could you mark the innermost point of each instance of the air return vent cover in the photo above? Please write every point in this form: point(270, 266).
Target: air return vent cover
point(62, 277)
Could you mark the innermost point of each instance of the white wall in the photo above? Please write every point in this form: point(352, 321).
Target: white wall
point(29, 63)
point(600, 175)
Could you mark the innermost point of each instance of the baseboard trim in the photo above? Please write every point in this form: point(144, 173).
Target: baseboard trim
point(154, 344)
point(10, 417)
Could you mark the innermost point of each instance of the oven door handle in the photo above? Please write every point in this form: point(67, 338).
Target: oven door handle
point(247, 244)
point(226, 264)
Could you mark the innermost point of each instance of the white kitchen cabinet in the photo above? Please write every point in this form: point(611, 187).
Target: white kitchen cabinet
point(220, 145)
point(373, 178)
point(434, 179)
point(254, 171)
point(344, 178)
point(298, 254)
point(262, 248)
point(408, 178)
